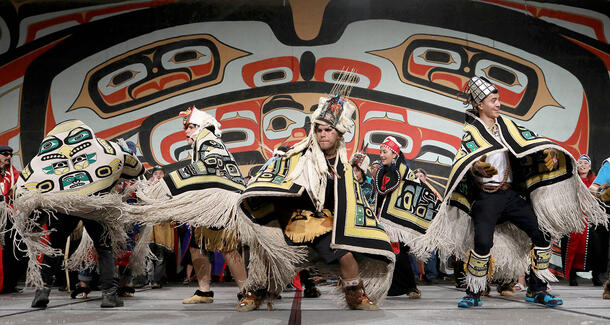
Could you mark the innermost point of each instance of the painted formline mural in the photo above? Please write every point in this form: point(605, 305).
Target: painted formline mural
point(127, 69)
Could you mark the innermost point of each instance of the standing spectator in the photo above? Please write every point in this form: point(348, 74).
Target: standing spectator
point(578, 250)
point(360, 163)
point(600, 188)
point(374, 166)
point(8, 275)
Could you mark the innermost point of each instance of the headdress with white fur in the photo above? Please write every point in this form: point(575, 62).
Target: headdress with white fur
point(198, 117)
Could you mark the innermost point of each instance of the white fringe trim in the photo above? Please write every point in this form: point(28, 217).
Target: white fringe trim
point(141, 252)
point(29, 207)
point(83, 257)
point(209, 208)
point(545, 275)
point(564, 207)
point(452, 233)
point(273, 263)
point(476, 283)
point(398, 233)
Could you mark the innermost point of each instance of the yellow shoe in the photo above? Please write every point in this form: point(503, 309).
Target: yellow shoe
point(249, 302)
point(606, 294)
point(356, 298)
point(506, 290)
point(414, 294)
point(200, 297)
point(365, 304)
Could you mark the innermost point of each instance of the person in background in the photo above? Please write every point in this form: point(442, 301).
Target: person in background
point(374, 166)
point(161, 242)
point(13, 263)
point(360, 163)
point(578, 249)
point(600, 189)
point(387, 180)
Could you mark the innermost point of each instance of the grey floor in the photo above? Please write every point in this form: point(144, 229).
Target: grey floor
point(582, 305)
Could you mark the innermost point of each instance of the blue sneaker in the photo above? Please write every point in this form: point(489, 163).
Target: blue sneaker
point(470, 302)
point(544, 298)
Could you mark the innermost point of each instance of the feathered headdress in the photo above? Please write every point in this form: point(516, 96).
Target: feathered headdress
point(336, 111)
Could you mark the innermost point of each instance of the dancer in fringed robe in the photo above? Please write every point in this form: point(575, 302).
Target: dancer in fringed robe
point(310, 199)
point(67, 181)
point(405, 206)
point(509, 194)
point(204, 195)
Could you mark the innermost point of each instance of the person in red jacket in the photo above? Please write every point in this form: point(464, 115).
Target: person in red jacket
point(8, 177)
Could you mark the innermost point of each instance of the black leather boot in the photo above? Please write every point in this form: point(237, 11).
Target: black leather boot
point(111, 299)
point(41, 298)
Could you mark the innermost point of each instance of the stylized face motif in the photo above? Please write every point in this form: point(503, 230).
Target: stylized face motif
point(71, 158)
point(67, 149)
point(74, 180)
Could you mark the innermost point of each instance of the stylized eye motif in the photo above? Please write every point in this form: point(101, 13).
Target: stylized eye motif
point(187, 57)
point(122, 78)
point(502, 75)
point(351, 78)
point(273, 75)
point(61, 164)
point(279, 123)
point(437, 56)
point(50, 145)
point(79, 158)
point(429, 56)
point(78, 135)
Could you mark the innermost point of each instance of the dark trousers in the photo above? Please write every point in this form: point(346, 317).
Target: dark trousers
point(158, 265)
point(14, 261)
point(491, 209)
point(63, 226)
point(599, 250)
point(403, 280)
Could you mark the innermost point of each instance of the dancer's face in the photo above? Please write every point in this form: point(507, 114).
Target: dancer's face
point(190, 130)
point(490, 106)
point(386, 155)
point(327, 138)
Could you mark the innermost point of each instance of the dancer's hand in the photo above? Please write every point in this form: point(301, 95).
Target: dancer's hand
point(550, 159)
point(483, 168)
point(605, 193)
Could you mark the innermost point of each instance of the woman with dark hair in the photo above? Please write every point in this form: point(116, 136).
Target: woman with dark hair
point(386, 180)
point(577, 249)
